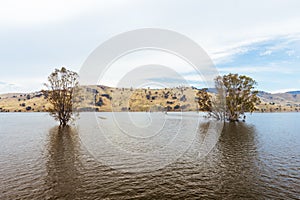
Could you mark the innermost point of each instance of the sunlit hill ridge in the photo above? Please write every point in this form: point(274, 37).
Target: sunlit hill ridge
point(107, 99)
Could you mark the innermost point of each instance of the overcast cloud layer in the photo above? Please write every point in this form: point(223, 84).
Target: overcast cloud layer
point(256, 38)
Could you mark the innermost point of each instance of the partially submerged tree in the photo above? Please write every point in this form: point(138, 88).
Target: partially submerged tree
point(61, 89)
point(234, 97)
point(240, 95)
point(218, 101)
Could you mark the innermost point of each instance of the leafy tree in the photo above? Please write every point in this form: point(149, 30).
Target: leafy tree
point(240, 95)
point(61, 89)
point(235, 95)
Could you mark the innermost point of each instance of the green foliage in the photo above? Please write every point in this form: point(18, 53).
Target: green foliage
point(240, 95)
point(235, 96)
point(61, 88)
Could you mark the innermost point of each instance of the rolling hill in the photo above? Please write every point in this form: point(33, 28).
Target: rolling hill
point(106, 99)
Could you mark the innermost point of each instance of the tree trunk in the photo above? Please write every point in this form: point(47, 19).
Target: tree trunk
point(62, 123)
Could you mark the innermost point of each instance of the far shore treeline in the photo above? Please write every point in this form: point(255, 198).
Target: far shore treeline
point(233, 96)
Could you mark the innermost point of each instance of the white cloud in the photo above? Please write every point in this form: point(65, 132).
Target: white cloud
point(24, 84)
point(275, 68)
point(246, 69)
point(284, 90)
point(8, 87)
point(226, 53)
point(290, 52)
point(36, 12)
point(223, 28)
point(126, 64)
point(266, 53)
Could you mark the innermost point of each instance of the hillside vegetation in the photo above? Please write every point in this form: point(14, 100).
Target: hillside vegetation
point(106, 99)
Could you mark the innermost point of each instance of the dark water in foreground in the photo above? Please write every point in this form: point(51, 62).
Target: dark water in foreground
point(259, 159)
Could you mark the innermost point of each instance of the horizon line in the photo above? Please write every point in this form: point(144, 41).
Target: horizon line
point(280, 91)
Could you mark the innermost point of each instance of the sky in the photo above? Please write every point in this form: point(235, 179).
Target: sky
point(258, 38)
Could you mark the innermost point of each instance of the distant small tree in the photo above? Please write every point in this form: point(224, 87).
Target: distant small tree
point(61, 88)
point(240, 95)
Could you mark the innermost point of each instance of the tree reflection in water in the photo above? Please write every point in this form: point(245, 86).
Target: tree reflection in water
point(239, 167)
point(62, 161)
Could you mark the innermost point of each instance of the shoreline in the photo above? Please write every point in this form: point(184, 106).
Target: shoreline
point(140, 112)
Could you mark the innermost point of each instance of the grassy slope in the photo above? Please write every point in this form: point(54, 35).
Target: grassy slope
point(138, 100)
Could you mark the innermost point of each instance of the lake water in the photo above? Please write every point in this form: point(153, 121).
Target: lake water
point(149, 156)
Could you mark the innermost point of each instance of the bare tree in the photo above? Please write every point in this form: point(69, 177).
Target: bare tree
point(218, 101)
point(61, 88)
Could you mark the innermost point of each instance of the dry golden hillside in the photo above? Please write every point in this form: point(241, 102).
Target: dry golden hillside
point(106, 99)
point(102, 98)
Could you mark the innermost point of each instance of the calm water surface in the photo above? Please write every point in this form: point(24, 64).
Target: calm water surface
point(259, 159)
